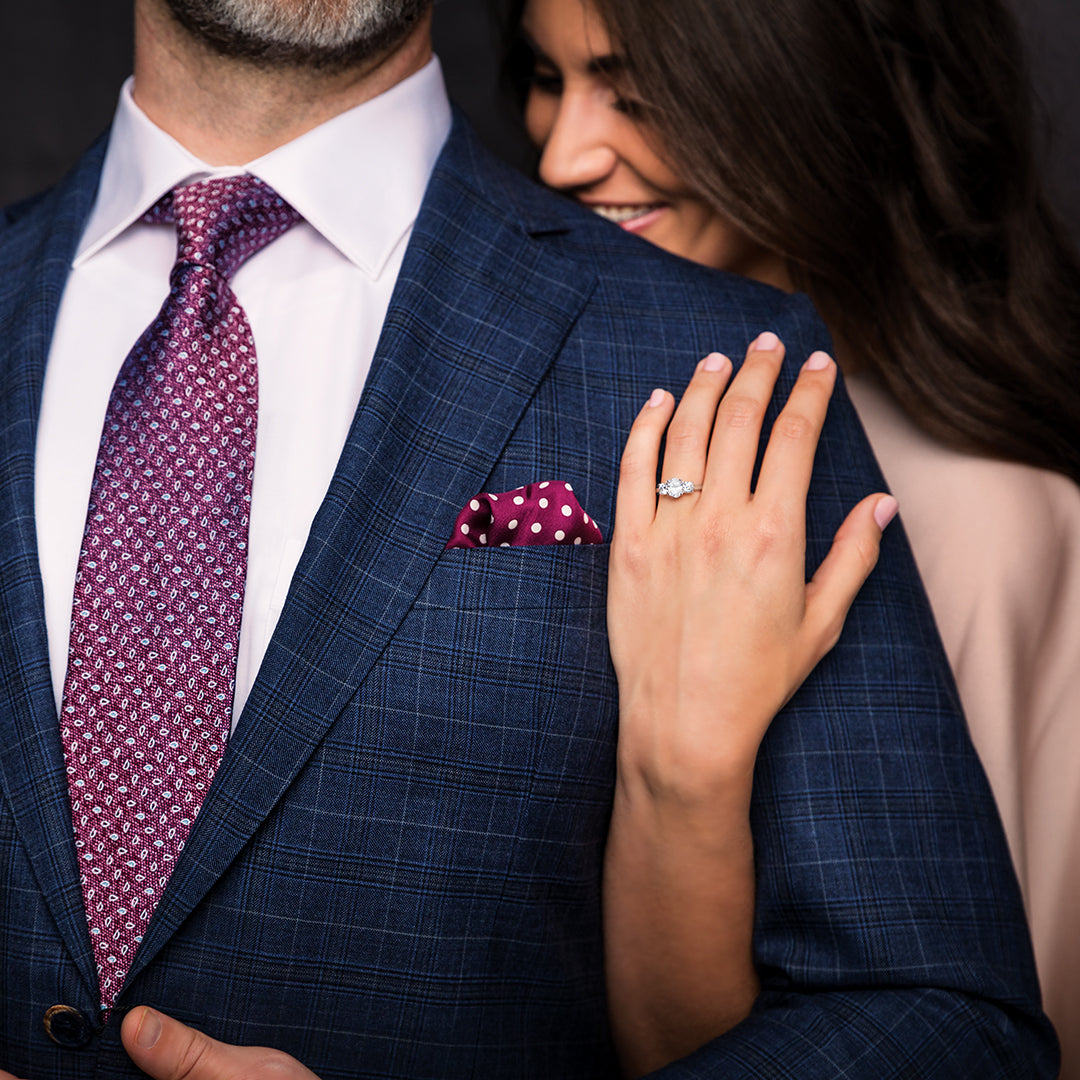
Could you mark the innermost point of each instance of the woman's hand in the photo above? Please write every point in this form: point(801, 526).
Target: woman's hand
point(713, 627)
point(710, 618)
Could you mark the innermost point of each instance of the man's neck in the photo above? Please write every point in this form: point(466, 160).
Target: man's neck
point(229, 112)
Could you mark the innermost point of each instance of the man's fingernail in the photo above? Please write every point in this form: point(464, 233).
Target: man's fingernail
point(885, 511)
point(655, 398)
point(149, 1029)
point(715, 362)
point(818, 361)
point(768, 340)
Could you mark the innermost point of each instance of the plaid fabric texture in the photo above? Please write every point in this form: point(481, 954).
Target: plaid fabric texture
point(397, 870)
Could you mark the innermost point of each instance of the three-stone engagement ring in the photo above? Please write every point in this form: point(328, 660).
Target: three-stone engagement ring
point(676, 488)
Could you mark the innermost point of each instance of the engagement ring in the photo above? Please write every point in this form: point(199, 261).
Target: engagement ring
point(676, 488)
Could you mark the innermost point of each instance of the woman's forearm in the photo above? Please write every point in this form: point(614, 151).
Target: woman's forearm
point(678, 917)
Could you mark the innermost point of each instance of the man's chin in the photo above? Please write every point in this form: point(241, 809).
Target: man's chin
point(316, 34)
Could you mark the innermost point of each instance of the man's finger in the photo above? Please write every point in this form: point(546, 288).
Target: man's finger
point(168, 1050)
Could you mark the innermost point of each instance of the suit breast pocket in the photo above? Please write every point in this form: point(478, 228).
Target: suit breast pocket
point(486, 730)
point(503, 661)
point(551, 576)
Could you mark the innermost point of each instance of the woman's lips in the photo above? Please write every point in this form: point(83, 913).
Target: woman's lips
point(632, 218)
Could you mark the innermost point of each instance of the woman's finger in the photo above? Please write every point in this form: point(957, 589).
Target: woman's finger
point(688, 433)
point(853, 554)
point(734, 445)
point(635, 500)
point(789, 457)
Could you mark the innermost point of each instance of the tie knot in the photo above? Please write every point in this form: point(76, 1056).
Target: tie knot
point(222, 222)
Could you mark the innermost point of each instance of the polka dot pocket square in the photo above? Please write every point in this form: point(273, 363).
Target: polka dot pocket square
point(543, 513)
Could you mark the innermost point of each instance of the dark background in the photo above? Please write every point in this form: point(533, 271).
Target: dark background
point(62, 62)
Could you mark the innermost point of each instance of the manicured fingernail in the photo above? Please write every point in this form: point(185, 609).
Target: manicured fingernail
point(885, 511)
point(149, 1029)
point(656, 398)
point(818, 361)
point(715, 362)
point(767, 340)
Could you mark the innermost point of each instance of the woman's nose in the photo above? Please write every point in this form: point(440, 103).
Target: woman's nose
point(578, 151)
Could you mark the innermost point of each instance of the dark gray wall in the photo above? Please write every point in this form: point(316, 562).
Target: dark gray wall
point(1052, 29)
point(62, 61)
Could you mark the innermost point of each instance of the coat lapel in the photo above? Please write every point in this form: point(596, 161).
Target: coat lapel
point(479, 312)
point(38, 248)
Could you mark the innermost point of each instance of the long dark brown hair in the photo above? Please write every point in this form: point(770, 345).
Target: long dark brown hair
point(884, 148)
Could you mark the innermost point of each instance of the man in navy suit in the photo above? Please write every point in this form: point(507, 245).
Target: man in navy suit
point(396, 871)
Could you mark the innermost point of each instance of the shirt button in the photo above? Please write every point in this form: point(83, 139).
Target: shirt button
point(67, 1027)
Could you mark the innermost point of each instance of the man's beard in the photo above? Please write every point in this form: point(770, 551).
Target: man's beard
point(299, 33)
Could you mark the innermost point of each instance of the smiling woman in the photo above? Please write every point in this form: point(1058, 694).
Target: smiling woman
point(581, 110)
point(878, 155)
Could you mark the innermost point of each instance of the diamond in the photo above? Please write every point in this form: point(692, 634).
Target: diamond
point(675, 487)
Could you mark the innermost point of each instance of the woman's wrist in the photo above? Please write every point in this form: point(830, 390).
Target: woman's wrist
point(687, 763)
point(698, 816)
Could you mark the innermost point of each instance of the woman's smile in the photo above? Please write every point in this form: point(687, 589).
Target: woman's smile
point(632, 218)
point(597, 148)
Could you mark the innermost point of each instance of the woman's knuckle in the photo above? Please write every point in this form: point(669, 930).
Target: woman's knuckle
point(740, 411)
point(831, 631)
point(715, 536)
point(770, 529)
point(794, 426)
point(629, 554)
point(633, 465)
point(869, 550)
point(686, 438)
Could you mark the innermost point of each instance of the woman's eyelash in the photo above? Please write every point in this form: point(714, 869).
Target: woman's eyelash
point(546, 82)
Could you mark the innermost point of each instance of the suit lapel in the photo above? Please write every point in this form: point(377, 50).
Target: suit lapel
point(479, 312)
point(38, 249)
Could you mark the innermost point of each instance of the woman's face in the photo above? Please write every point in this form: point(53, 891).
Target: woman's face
point(595, 148)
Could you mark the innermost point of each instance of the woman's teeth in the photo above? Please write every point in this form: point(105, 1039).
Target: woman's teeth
point(622, 214)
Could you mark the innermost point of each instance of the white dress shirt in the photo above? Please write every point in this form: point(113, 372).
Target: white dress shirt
point(316, 299)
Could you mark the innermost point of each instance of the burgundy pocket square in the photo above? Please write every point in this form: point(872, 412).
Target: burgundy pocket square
point(543, 513)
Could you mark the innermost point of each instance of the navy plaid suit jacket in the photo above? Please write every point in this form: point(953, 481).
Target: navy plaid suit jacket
point(397, 870)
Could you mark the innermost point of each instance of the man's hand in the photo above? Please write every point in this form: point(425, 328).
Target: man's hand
point(168, 1050)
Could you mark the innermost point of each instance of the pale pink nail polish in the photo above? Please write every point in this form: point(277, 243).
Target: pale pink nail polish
point(885, 511)
point(656, 398)
point(715, 362)
point(767, 340)
point(818, 361)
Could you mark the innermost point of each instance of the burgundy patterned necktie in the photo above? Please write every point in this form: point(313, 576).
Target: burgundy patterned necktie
point(160, 584)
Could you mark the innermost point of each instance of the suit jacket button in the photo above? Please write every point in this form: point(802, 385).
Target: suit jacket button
point(67, 1027)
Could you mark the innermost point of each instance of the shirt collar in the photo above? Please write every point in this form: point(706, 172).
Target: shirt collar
point(358, 178)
